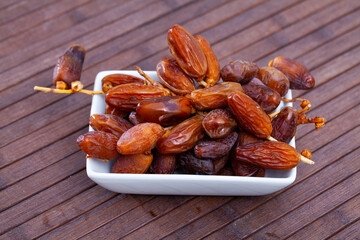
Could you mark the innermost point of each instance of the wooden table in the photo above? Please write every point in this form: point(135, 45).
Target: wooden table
point(45, 192)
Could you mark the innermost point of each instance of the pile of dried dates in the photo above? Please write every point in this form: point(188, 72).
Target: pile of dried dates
point(200, 118)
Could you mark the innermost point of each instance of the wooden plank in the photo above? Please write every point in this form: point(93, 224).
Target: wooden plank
point(136, 217)
point(42, 137)
point(350, 232)
point(50, 27)
point(98, 215)
point(330, 223)
point(4, 4)
point(40, 50)
point(315, 208)
point(40, 159)
point(19, 9)
point(61, 213)
point(38, 203)
point(35, 17)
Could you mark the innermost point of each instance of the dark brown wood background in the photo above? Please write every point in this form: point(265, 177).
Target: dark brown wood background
point(45, 192)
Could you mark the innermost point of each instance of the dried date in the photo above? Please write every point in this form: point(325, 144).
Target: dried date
point(215, 148)
point(274, 79)
point(98, 145)
point(136, 163)
point(163, 163)
point(284, 124)
point(109, 123)
point(113, 80)
point(219, 123)
point(140, 138)
point(267, 98)
point(239, 71)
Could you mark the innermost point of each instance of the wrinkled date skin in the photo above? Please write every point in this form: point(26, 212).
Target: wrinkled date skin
point(191, 163)
point(69, 66)
point(98, 145)
point(249, 115)
point(214, 97)
point(109, 123)
point(182, 137)
point(213, 69)
point(173, 77)
point(115, 111)
point(215, 148)
point(136, 163)
point(187, 51)
point(267, 154)
point(219, 123)
point(246, 138)
point(274, 79)
point(166, 111)
point(267, 98)
point(284, 124)
point(127, 96)
point(256, 81)
point(239, 71)
point(298, 75)
point(247, 169)
point(163, 163)
point(113, 80)
point(140, 138)
point(135, 119)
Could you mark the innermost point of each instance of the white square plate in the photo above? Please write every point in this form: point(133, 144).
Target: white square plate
point(180, 184)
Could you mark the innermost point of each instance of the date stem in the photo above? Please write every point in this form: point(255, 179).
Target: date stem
point(153, 82)
point(76, 86)
point(305, 104)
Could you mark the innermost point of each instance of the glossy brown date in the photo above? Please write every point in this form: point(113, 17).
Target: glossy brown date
point(274, 79)
point(215, 148)
point(98, 145)
point(284, 124)
point(69, 66)
point(127, 96)
point(239, 71)
point(249, 115)
point(246, 169)
point(163, 163)
point(267, 98)
point(187, 51)
point(182, 137)
point(113, 80)
point(109, 123)
point(173, 77)
point(267, 154)
point(219, 123)
point(168, 110)
point(140, 138)
point(245, 138)
point(212, 75)
point(115, 111)
point(192, 164)
point(136, 163)
point(214, 97)
point(298, 75)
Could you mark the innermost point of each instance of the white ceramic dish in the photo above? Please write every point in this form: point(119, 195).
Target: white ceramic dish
point(180, 184)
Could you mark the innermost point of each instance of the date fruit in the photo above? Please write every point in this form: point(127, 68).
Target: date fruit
point(214, 97)
point(212, 75)
point(267, 154)
point(135, 119)
point(298, 75)
point(140, 138)
point(166, 111)
point(267, 98)
point(219, 123)
point(182, 137)
point(187, 51)
point(127, 96)
point(191, 163)
point(215, 148)
point(274, 79)
point(113, 80)
point(69, 66)
point(247, 169)
point(109, 123)
point(173, 77)
point(249, 115)
point(163, 163)
point(98, 145)
point(136, 163)
point(115, 111)
point(284, 124)
point(239, 71)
